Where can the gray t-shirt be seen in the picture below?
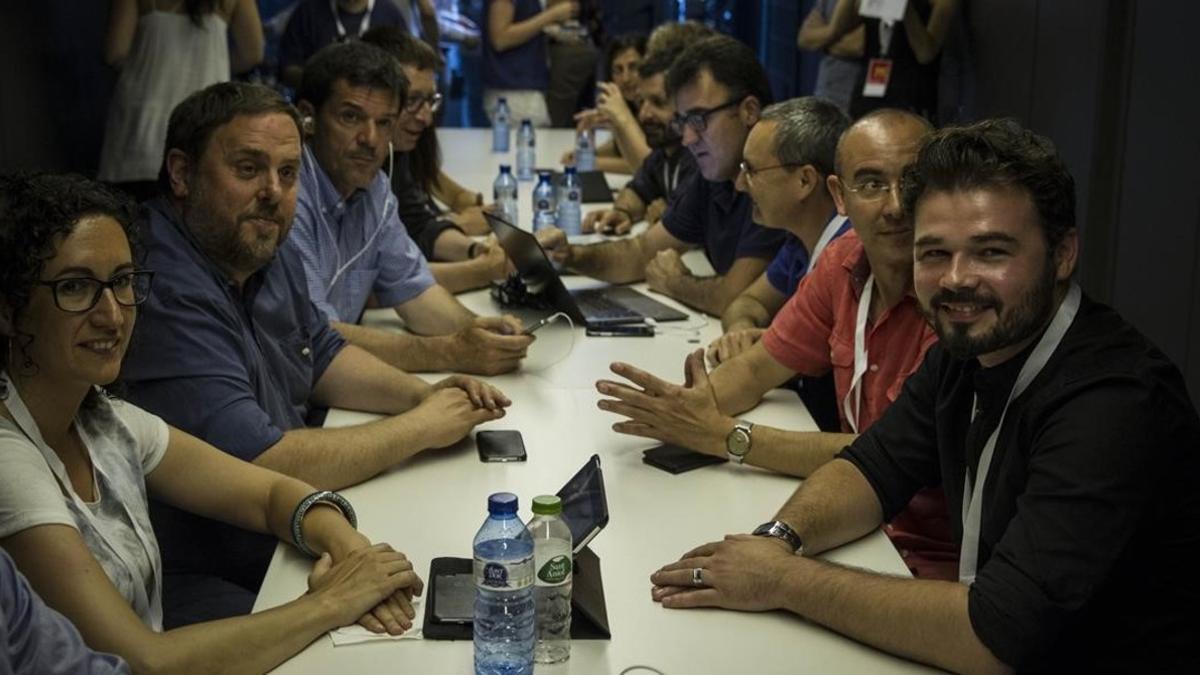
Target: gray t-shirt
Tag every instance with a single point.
(125, 443)
(36, 640)
(836, 76)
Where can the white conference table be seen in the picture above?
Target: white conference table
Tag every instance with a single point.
(432, 505)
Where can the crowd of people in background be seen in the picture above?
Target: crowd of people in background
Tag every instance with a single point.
(911, 282)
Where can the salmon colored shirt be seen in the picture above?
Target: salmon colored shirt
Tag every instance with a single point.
(814, 334)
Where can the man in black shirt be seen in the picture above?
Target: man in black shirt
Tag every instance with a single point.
(1077, 551)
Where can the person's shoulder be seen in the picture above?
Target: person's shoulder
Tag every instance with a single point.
(843, 252)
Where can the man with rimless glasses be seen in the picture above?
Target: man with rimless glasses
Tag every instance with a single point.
(719, 89)
(854, 315)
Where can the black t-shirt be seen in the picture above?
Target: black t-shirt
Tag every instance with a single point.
(1090, 529)
(912, 85)
(715, 216)
(660, 175)
(415, 207)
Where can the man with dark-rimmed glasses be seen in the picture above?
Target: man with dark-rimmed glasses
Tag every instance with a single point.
(719, 90)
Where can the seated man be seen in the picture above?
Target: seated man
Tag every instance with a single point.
(349, 236)
(719, 89)
(789, 155)
(231, 349)
(458, 263)
(853, 315)
(617, 99)
(1065, 440)
(667, 167)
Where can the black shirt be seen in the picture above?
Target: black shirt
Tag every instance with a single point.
(660, 174)
(715, 216)
(415, 208)
(1090, 530)
(912, 85)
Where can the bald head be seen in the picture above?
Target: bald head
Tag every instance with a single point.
(897, 126)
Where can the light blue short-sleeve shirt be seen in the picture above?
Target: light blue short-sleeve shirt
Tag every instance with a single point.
(353, 248)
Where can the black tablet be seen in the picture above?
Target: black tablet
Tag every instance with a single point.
(585, 507)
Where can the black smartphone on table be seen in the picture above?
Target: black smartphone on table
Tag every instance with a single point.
(621, 330)
(676, 459)
(500, 446)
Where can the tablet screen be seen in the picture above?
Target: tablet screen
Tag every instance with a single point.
(585, 508)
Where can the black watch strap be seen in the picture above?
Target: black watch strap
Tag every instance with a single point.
(783, 531)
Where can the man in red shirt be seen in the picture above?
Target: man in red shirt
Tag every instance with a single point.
(854, 314)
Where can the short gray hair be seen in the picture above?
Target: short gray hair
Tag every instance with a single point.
(807, 131)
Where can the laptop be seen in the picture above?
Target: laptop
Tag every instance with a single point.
(606, 306)
(593, 186)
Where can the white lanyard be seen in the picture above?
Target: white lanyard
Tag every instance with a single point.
(25, 422)
(972, 507)
(831, 229)
(670, 180)
(337, 20)
(860, 358)
(885, 36)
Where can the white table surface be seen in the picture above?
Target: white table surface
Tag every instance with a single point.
(431, 506)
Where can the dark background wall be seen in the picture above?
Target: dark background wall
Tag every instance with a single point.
(1110, 81)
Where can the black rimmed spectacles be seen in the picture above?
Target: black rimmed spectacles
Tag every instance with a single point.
(413, 104)
(77, 295)
(697, 120)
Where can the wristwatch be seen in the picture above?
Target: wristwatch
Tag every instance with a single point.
(738, 441)
(783, 531)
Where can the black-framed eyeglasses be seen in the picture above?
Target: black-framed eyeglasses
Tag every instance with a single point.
(413, 104)
(750, 171)
(77, 295)
(697, 120)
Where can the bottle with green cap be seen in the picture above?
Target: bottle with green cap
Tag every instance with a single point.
(552, 581)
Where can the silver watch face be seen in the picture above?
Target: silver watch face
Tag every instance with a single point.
(738, 442)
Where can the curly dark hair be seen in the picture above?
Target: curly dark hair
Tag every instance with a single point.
(620, 45)
(995, 153)
(37, 210)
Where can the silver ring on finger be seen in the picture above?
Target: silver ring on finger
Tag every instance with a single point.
(697, 576)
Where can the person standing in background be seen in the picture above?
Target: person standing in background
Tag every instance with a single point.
(514, 55)
(317, 23)
(841, 62)
(165, 50)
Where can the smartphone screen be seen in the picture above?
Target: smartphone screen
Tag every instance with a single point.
(632, 330)
(500, 446)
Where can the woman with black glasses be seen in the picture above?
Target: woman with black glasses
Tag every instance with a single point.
(77, 465)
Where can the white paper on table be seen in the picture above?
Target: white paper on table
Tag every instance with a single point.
(887, 10)
(355, 634)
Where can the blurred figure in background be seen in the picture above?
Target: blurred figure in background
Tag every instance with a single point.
(514, 55)
(165, 50)
(617, 101)
(841, 62)
(317, 23)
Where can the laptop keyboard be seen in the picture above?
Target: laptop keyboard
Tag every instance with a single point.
(595, 305)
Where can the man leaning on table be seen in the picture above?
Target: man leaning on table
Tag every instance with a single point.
(719, 89)
(1066, 437)
(349, 236)
(231, 349)
(854, 315)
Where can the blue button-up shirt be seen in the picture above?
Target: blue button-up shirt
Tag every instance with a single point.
(355, 247)
(233, 366)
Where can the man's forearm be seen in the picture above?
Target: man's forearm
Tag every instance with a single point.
(796, 453)
(451, 245)
(464, 275)
(332, 459)
(745, 312)
(631, 140)
(922, 620)
(407, 352)
(834, 506)
(629, 202)
(617, 262)
(710, 295)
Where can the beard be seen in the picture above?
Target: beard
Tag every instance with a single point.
(236, 246)
(659, 136)
(1028, 317)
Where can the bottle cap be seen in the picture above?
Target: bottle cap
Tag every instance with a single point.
(502, 99)
(526, 122)
(547, 505)
(502, 503)
(505, 168)
(570, 169)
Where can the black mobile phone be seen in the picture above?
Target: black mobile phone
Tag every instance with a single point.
(621, 330)
(500, 446)
(454, 598)
(675, 459)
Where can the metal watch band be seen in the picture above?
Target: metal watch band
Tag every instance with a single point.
(783, 531)
(320, 496)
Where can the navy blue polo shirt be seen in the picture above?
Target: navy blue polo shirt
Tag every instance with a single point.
(719, 218)
(791, 263)
(235, 368)
(313, 26)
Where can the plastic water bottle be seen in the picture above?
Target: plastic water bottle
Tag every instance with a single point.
(544, 206)
(585, 150)
(526, 151)
(501, 126)
(504, 193)
(552, 546)
(504, 609)
(570, 203)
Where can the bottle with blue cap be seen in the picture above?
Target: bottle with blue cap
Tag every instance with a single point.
(545, 202)
(570, 204)
(504, 194)
(501, 126)
(526, 151)
(504, 578)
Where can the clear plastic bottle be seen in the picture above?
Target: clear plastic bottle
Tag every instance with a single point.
(552, 545)
(526, 151)
(504, 610)
(545, 205)
(501, 126)
(585, 150)
(570, 203)
(504, 193)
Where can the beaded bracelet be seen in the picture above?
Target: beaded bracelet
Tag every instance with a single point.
(324, 496)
